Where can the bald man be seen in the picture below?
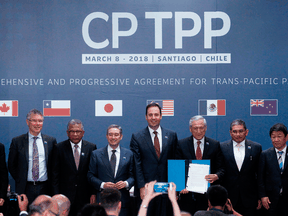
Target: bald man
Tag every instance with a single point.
(63, 204)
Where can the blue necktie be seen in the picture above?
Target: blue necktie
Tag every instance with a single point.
(280, 161)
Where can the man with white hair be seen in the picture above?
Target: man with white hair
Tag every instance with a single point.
(200, 147)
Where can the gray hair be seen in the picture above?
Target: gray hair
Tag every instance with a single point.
(196, 118)
(74, 122)
(114, 126)
(35, 112)
(40, 208)
(238, 122)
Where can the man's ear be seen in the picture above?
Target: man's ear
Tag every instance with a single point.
(119, 205)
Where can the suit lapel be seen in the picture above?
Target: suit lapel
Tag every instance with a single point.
(121, 161)
(45, 143)
(248, 150)
(286, 160)
(231, 157)
(164, 141)
(206, 148)
(106, 162)
(26, 148)
(274, 158)
(191, 148)
(84, 152)
(70, 154)
(149, 143)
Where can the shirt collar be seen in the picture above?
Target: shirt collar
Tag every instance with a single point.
(158, 130)
(195, 140)
(284, 150)
(79, 144)
(31, 136)
(241, 143)
(109, 149)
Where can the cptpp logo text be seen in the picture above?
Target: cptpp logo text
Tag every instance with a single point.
(157, 19)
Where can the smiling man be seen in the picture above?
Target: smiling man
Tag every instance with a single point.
(30, 158)
(241, 158)
(152, 147)
(71, 164)
(112, 167)
(273, 173)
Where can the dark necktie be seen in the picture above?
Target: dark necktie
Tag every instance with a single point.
(113, 161)
(156, 144)
(76, 155)
(35, 163)
(198, 151)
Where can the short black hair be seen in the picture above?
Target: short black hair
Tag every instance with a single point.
(278, 127)
(237, 122)
(109, 198)
(217, 195)
(92, 210)
(153, 105)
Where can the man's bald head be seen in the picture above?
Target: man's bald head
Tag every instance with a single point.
(63, 204)
(42, 204)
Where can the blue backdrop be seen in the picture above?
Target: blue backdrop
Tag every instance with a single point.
(46, 43)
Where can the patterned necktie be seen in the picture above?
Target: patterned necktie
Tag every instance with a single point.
(156, 144)
(76, 155)
(35, 163)
(113, 161)
(238, 157)
(280, 161)
(198, 151)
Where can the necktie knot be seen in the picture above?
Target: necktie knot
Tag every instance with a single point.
(113, 151)
(35, 138)
(198, 142)
(76, 146)
(155, 132)
(280, 153)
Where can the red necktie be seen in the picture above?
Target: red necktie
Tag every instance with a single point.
(198, 151)
(156, 144)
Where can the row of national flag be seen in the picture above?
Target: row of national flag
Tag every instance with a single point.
(62, 108)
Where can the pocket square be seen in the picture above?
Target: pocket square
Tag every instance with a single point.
(166, 137)
(249, 147)
(45, 142)
(124, 158)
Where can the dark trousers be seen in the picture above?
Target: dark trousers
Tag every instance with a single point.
(32, 191)
(193, 202)
(240, 208)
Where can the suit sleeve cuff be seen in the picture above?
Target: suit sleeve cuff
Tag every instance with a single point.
(102, 185)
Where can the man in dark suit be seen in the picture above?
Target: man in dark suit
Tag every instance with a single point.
(71, 164)
(273, 173)
(112, 167)
(199, 147)
(241, 157)
(3, 177)
(152, 147)
(30, 158)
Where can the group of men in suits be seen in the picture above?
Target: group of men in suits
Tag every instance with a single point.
(76, 169)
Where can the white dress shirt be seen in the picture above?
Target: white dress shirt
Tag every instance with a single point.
(42, 162)
(239, 153)
(117, 153)
(79, 147)
(201, 145)
(283, 154)
(159, 135)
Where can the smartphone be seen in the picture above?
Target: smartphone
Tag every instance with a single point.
(161, 187)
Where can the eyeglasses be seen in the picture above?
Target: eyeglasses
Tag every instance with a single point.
(77, 132)
(198, 128)
(239, 131)
(34, 121)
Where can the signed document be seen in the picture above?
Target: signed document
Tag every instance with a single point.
(196, 181)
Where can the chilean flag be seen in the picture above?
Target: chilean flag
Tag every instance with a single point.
(57, 108)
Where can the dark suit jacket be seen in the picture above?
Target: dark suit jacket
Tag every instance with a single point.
(100, 171)
(270, 180)
(18, 159)
(148, 166)
(212, 151)
(242, 183)
(67, 179)
(3, 172)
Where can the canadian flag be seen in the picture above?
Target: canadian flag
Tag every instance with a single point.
(108, 107)
(8, 108)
